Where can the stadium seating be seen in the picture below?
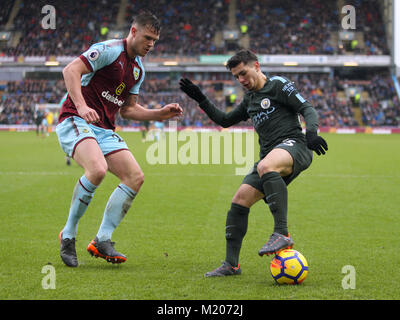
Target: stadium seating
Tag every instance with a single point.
(312, 28)
(378, 104)
(18, 99)
(369, 20)
(274, 27)
(194, 28)
(188, 27)
(78, 26)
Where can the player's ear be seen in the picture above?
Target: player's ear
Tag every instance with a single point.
(133, 31)
(257, 66)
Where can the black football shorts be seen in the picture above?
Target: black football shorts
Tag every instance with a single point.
(302, 158)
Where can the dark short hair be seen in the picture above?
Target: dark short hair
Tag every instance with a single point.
(244, 56)
(146, 18)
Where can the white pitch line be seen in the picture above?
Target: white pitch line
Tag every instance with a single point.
(34, 173)
(197, 174)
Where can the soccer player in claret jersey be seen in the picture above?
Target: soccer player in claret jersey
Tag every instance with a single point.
(102, 81)
(273, 104)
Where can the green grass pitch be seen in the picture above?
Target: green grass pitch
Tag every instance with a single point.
(343, 211)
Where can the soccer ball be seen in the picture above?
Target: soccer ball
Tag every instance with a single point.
(289, 267)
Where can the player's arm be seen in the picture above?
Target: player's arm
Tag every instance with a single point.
(314, 141)
(219, 117)
(72, 76)
(294, 99)
(132, 110)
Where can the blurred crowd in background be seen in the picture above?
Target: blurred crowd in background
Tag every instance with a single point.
(189, 29)
(375, 98)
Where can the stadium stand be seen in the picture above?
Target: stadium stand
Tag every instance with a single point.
(19, 99)
(311, 28)
(305, 30)
(378, 103)
(5, 11)
(79, 25)
(191, 29)
(372, 39)
(196, 27)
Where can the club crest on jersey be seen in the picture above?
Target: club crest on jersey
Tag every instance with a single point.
(93, 54)
(265, 103)
(120, 88)
(136, 73)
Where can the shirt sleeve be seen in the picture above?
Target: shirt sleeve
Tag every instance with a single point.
(135, 88)
(288, 94)
(291, 97)
(239, 113)
(99, 55)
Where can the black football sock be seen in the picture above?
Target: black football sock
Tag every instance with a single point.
(236, 228)
(275, 190)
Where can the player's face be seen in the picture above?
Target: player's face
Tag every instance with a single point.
(248, 75)
(144, 39)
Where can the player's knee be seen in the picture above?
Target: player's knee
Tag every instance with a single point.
(140, 180)
(283, 170)
(134, 180)
(239, 198)
(243, 199)
(264, 167)
(96, 173)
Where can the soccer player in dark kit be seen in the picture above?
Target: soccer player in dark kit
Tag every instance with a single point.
(102, 81)
(273, 104)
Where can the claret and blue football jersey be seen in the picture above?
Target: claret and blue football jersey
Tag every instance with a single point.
(113, 77)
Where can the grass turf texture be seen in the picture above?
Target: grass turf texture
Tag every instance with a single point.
(342, 211)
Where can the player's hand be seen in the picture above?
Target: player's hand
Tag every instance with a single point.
(88, 114)
(170, 111)
(316, 143)
(192, 90)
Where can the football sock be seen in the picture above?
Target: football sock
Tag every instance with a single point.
(275, 190)
(82, 195)
(117, 206)
(235, 230)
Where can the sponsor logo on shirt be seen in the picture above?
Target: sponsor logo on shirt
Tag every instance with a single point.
(136, 73)
(289, 88)
(109, 97)
(265, 103)
(93, 55)
(120, 88)
(262, 116)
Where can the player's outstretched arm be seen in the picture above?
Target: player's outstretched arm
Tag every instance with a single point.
(192, 90)
(219, 117)
(134, 111)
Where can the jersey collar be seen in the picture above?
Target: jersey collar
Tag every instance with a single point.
(133, 60)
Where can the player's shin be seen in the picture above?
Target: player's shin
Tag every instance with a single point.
(117, 206)
(236, 228)
(83, 194)
(276, 193)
